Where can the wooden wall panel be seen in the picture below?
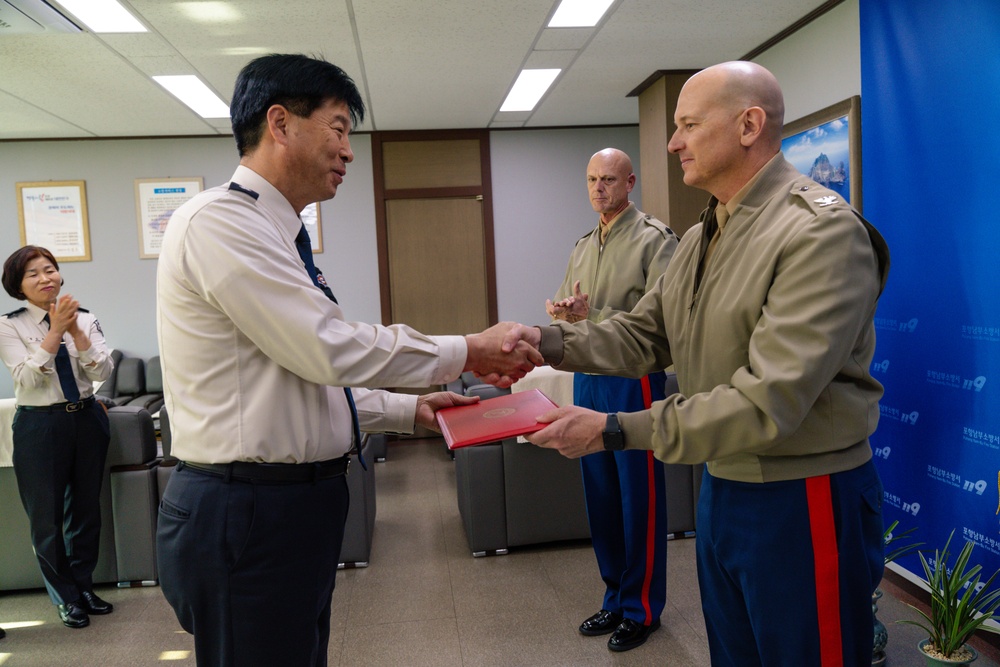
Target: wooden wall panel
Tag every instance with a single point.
(431, 164)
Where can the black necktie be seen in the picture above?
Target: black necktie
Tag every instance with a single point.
(304, 246)
(64, 369)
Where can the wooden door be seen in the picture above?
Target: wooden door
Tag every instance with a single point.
(435, 230)
(434, 217)
(437, 274)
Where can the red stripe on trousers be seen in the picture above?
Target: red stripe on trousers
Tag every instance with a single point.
(647, 399)
(827, 567)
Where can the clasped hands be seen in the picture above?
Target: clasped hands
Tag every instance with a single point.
(62, 320)
(505, 353)
(571, 309)
(62, 314)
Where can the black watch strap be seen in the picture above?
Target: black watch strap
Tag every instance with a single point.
(614, 439)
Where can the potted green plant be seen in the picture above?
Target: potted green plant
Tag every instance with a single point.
(960, 605)
(889, 539)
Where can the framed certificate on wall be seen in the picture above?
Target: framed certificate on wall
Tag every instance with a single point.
(53, 215)
(156, 199)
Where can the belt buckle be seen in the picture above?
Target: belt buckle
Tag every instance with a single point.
(74, 407)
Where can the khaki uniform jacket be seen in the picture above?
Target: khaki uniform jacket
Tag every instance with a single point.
(772, 346)
(635, 254)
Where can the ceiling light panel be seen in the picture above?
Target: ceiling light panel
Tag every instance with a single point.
(531, 84)
(190, 90)
(103, 15)
(579, 13)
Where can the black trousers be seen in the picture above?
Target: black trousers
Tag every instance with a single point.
(59, 464)
(249, 568)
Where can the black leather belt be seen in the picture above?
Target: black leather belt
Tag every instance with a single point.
(272, 473)
(59, 407)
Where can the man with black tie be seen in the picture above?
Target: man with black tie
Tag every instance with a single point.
(257, 364)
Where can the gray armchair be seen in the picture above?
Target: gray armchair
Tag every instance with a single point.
(151, 396)
(359, 529)
(514, 494)
(134, 499)
(130, 380)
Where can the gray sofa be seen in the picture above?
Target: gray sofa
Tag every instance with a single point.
(128, 505)
(359, 530)
(514, 494)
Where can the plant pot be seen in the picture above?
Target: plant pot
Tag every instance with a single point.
(881, 634)
(946, 662)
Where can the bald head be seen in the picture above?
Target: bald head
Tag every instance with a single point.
(729, 119)
(609, 182)
(739, 85)
(613, 158)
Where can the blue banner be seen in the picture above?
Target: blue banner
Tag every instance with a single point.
(930, 104)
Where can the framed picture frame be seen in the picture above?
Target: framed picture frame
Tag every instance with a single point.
(826, 146)
(53, 215)
(313, 221)
(156, 199)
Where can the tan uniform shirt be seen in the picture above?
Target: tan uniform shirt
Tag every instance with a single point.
(618, 272)
(772, 348)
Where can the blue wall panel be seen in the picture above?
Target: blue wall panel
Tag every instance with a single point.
(930, 100)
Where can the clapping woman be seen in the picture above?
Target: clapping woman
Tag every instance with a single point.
(55, 351)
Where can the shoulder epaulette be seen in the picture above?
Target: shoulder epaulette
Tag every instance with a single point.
(247, 191)
(14, 313)
(817, 198)
(656, 223)
(82, 310)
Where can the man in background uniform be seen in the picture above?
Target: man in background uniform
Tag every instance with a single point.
(611, 268)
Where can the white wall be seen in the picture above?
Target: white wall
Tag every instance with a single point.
(820, 64)
(541, 208)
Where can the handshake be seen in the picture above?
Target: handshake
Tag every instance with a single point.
(504, 353)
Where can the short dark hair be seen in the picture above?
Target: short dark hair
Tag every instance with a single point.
(299, 83)
(13, 268)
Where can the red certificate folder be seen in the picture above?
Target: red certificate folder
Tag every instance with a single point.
(494, 418)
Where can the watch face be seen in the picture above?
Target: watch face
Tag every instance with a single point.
(614, 439)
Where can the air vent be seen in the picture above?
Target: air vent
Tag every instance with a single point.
(26, 17)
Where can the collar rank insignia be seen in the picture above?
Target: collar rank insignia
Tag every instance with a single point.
(826, 201)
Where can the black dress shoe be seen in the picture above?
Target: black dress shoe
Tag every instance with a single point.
(73, 615)
(3, 633)
(630, 634)
(95, 605)
(600, 623)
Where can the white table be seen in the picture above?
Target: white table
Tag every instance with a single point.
(557, 385)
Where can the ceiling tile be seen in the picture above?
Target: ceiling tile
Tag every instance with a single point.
(421, 65)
